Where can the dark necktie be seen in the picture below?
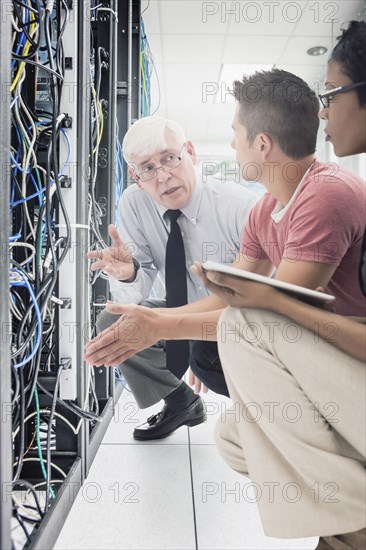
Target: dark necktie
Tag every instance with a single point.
(176, 292)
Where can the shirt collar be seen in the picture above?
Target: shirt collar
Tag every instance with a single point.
(280, 211)
(192, 208)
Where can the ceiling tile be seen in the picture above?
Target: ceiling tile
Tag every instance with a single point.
(263, 18)
(191, 16)
(192, 117)
(196, 83)
(295, 53)
(326, 18)
(185, 48)
(197, 37)
(188, 74)
(193, 95)
(253, 49)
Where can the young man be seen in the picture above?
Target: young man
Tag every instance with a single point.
(301, 227)
(303, 443)
(167, 200)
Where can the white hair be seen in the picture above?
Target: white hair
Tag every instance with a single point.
(147, 137)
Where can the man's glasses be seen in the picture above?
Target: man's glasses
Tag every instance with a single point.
(327, 96)
(171, 162)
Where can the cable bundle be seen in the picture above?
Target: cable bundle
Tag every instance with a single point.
(147, 67)
(96, 210)
(37, 252)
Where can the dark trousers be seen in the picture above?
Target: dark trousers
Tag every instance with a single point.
(206, 365)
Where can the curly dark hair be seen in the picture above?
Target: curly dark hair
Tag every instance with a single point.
(350, 53)
(281, 105)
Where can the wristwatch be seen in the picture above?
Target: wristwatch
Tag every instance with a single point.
(136, 265)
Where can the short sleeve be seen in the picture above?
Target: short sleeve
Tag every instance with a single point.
(322, 227)
(250, 245)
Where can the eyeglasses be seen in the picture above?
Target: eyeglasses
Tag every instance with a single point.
(327, 96)
(171, 162)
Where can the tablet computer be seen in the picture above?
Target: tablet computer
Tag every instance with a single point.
(301, 293)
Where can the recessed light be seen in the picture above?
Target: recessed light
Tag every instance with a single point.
(317, 50)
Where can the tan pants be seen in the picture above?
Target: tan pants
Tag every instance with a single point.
(297, 426)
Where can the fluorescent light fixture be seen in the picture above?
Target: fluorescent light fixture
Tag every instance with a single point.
(231, 72)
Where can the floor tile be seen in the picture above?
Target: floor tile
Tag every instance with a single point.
(128, 416)
(135, 497)
(226, 514)
(215, 405)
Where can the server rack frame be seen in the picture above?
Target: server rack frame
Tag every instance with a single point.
(105, 29)
(5, 381)
(105, 36)
(87, 445)
(128, 69)
(47, 532)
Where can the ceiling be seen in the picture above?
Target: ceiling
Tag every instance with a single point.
(191, 39)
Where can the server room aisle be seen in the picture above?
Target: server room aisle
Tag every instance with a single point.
(172, 494)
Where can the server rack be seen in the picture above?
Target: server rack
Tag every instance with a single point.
(128, 67)
(117, 31)
(5, 389)
(104, 43)
(70, 450)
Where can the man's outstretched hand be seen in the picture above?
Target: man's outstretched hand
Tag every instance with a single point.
(135, 330)
(116, 260)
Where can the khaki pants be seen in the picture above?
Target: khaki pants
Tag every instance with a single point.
(297, 426)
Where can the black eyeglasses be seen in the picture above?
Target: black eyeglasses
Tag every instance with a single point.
(171, 162)
(327, 96)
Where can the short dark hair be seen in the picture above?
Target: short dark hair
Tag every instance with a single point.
(281, 105)
(350, 53)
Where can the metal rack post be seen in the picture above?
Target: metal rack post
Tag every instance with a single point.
(5, 384)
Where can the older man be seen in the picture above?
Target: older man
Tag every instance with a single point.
(169, 219)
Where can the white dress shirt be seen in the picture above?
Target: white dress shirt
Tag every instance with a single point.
(211, 225)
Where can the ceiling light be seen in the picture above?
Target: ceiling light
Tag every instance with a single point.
(231, 72)
(317, 50)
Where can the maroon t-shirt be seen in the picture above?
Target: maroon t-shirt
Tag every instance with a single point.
(324, 222)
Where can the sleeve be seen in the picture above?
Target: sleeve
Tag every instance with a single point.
(133, 236)
(243, 210)
(251, 247)
(321, 226)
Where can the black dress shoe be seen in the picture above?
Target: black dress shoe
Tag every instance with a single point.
(167, 421)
